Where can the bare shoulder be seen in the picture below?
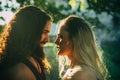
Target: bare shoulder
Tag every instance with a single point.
(21, 72)
(80, 73)
(84, 74)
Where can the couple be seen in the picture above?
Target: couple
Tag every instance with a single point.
(22, 41)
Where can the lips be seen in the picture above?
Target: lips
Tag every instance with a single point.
(42, 43)
(58, 47)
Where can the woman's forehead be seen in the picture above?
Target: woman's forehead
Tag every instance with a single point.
(60, 26)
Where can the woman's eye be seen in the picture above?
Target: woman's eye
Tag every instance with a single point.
(59, 37)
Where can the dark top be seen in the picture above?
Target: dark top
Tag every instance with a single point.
(4, 67)
(39, 76)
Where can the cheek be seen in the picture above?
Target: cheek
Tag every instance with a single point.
(64, 45)
(42, 37)
(65, 50)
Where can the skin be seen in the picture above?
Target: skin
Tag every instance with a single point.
(64, 45)
(83, 73)
(21, 71)
(45, 34)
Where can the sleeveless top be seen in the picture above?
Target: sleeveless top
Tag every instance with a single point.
(39, 76)
(4, 67)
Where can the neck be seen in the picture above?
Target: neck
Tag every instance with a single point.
(73, 61)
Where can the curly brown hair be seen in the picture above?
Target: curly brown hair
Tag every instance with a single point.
(20, 38)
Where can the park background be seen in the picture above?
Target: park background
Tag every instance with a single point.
(104, 15)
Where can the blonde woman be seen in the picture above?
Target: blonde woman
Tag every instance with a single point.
(77, 43)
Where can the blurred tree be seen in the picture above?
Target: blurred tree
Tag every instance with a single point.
(51, 8)
(51, 53)
(110, 6)
(111, 48)
(112, 51)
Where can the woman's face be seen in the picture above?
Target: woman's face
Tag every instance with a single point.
(45, 34)
(63, 43)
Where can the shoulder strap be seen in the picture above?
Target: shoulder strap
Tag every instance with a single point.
(33, 69)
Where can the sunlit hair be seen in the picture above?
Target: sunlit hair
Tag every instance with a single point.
(20, 38)
(86, 51)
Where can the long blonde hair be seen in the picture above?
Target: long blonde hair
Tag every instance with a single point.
(86, 51)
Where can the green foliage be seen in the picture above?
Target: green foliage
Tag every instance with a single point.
(112, 58)
(1, 27)
(110, 6)
(95, 21)
(51, 8)
(52, 57)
